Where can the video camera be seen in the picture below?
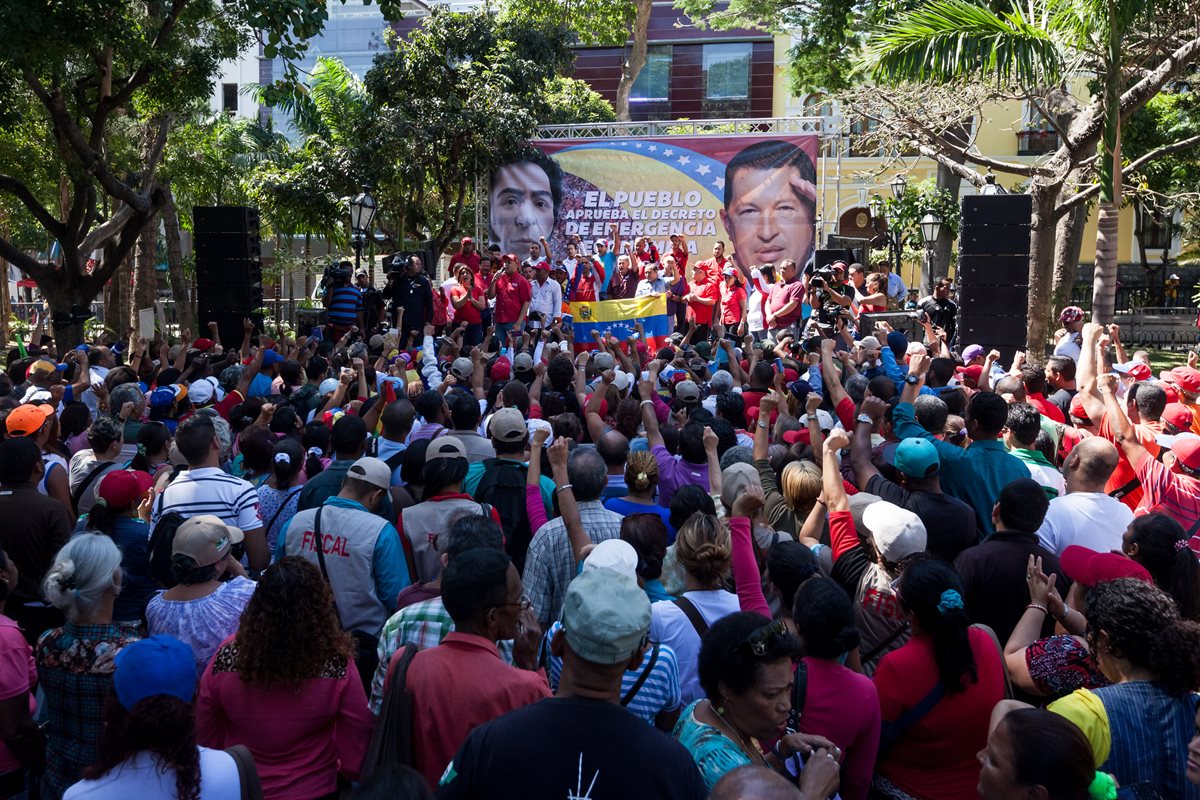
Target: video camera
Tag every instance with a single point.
(335, 272)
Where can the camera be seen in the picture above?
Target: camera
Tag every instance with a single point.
(816, 282)
(335, 272)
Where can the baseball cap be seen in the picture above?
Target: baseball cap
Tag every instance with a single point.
(688, 392)
(621, 380)
(1178, 415)
(869, 342)
(824, 420)
(605, 616)
(328, 386)
(373, 471)
(205, 390)
(972, 351)
(728, 272)
(507, 425)
(205, 539)
(44, 366)
(972, 373)
(1089, 567)
(462, 368)
(121, 488)
(897, 532)
(271, 357)
(1078, 411)
(203, 345)
(917, 458)
(1138, 370)
(604, 361)
(164, 396)
(445, 447)
(1186, 447)
(1071, 314)
(523, 362)
(1187, 378)
(501, 369)
(154, 666)
(616, 555)
(27, 419)
(468, 240)
(735, 479)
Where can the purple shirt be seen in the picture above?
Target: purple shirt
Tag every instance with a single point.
(674, 473)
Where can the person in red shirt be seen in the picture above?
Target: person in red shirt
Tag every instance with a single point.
(466, 255)
(463, 683)
(785, 304)
(679, 250)
(733, 302)
(715, 266)
(584, 285)
(1034, 378)
(513, 294)
(468, 304)
(701, 300)
(646, 253)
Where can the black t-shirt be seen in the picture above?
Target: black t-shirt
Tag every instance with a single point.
(570, 747)
(950, 524)
(941, 313)
(993, 579)
(1062, 398)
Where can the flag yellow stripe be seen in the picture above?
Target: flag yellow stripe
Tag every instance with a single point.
(619, 310)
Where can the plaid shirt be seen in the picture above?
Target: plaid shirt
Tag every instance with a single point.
(550, 563)
(424, 624)
(75, 670)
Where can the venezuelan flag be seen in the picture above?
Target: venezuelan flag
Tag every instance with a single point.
(618, 317)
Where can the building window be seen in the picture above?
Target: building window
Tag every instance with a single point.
(229, 97)
(654, 81)
(727, 71)
(1155, 228)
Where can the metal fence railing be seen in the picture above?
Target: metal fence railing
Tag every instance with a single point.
(279, 311)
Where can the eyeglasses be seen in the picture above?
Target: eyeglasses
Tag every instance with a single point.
(761, 639)
(525, 603)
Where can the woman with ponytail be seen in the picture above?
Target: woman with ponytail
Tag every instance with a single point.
(75, 662)
(279, 496)
(1140, 726)
(641, 479)
(936, 693)
(1035, 753)
(315, 441)
(153, 449)
(1160, 544)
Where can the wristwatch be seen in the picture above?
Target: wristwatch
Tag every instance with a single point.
(911, 380)
(865, 418)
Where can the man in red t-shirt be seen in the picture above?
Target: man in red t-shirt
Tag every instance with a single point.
(584, 285)
(466, 255)
(785, 304)
(645, 253)
(701, 300)
(513, 294)
(679, 250)
(733, 302)
(714, 266)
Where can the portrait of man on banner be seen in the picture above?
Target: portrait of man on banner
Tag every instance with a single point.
(523, 202)
(770, 204)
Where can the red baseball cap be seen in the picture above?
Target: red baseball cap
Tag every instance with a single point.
(1171, 391)
(799, 435)
(121, 488)
(1187, 450)
(1138, 370)
(1178, 415)
(203, 345)
(1088, 567)
(468, 240)
(501, 369)
(971, 373)
(790, 375)
(1078, 411)
(1187, 378)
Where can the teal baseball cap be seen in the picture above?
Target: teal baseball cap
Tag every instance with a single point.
(917, 458)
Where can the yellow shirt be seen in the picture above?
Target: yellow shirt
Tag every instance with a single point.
(1086, 710)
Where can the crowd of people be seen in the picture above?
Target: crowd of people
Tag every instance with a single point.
(478, 558)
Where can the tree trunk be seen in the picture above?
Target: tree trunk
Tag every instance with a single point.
(939, 260)
(1068, 242)
(637, 59)
(1104, 286)
(1041, 266)
(145, 277)
(185, 314)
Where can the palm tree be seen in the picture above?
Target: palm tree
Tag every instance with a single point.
(1034, 44)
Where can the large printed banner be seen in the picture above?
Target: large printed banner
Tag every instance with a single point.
(619, 317)
(755, 193)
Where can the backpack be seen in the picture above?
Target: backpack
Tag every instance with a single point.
(503, 487)
(162, 542)
(302, 400)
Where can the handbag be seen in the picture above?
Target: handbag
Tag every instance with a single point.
(247, 772)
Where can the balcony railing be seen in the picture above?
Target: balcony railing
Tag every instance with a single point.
(1036, 143)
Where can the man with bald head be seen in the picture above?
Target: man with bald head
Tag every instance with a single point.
(613, 447)
(1086, 515)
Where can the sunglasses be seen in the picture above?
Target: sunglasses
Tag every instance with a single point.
(761, 639)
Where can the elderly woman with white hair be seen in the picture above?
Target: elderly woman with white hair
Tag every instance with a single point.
(75, 662)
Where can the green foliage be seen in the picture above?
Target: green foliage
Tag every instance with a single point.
(593, 22)
(573, 101)
(1168, 117)
(904, 214)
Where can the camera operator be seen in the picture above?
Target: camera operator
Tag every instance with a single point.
(829, 315)
(408, 287)
(372, 301)
(343, 302)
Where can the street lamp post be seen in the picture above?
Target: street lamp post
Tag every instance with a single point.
(880, 213)
(362, 214)
(931, 228)
(899, 186)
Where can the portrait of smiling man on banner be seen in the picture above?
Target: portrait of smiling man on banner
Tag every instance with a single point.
(770, 204)
(524, 201)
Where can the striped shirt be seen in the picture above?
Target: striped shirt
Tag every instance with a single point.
(1171, 493)
(345, 303)
(209, 490)
(659, 693)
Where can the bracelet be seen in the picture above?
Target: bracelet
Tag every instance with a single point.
(647, 402)
(1039, 607)
(562, 488)
(1066, 613)
(762, 424)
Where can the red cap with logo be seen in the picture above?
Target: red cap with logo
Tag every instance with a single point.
(1187, 378)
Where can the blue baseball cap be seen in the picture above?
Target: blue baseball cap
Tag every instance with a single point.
(158, 664)
(917, 458)
(271, 357)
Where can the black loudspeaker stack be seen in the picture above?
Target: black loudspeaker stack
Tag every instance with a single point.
(229, 284)
(827, 256)
(993, 272)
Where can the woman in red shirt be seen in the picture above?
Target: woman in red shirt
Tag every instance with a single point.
(468, 302)
(936, 693)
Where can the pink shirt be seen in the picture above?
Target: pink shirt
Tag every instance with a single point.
(18, 676)
(299, 738)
